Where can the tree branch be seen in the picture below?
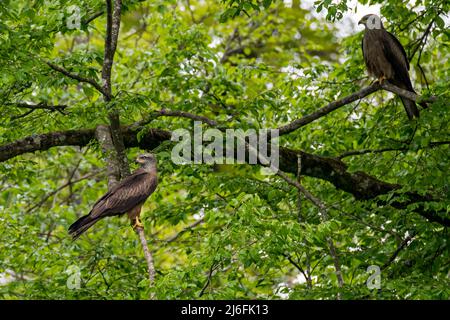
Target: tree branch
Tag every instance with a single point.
(405, 93)
(361, 185)
(324, 216)
(93, 17)
(151, 139)
(34, 107)
(42, 105)
(382, 150)
(213, 267)
(175, 113)
(422, 39)
(75, 76)
(65, 185)
(103, 135)
(402, 245)
(305, 273)
(298, 123)
(148, 257)
(185, 229)
(112, 33)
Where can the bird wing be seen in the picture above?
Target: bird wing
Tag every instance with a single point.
(129, 193)
(396, 55)
(362, 48)
(402, 54)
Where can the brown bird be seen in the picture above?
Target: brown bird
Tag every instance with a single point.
(386, 59)
(127, 196)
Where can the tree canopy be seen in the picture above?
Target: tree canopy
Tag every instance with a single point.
(362, 191)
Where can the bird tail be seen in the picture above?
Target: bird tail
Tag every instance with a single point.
(410, 108)
(81, 225)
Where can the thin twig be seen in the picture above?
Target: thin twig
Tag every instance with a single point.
(93, 17)
(185, 229)
(208, 280)
(75, 76)
(34, 107)
(65, 185)
(316, 201)
(382, 150)
(422, 39)
(323, 210)
(175, 113)
(402, 245)
(299, 268)
(41, 105)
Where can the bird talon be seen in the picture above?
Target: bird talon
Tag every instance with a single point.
(381, 79)
(137, 224)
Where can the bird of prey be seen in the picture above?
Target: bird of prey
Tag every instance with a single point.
(127, 196)
(386, 59)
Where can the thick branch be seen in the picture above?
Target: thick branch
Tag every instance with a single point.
(119, 146)
(103, 135)
(81, 138)
(361, 185)
(112, 34)
(113, 14)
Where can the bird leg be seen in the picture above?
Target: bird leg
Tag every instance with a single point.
(137, 223)
(134, 215)
(381, 79)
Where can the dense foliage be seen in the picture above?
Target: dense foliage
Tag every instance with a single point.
(223, 231)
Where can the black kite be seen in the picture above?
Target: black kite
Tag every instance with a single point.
(127, 196)
(386, 59)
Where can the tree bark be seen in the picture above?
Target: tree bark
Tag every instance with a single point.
(361, 185)
(103, 135)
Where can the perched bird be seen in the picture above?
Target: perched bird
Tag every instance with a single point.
(386, 59)
(127, 196)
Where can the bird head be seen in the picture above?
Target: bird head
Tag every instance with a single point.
(146, 159)
(371, 21)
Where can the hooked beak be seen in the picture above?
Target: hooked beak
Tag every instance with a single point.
(360, 22)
